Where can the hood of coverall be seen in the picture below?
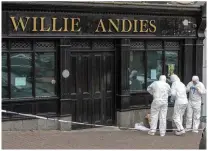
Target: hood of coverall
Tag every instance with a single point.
(195, 79)
(174, 78)
(162, 78)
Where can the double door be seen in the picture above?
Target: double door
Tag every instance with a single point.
(92, 87)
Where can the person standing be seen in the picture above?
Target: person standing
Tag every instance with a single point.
(160, 91)
(178, 93)
(135, 84)
(195, 89)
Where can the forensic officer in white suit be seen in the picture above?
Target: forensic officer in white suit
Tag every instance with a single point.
(195, 89)
(178, 93)
(160, 91)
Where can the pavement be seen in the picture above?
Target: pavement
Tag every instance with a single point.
(97, 139)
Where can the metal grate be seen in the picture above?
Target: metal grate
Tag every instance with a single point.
(21, 45)
(45, 45)
(154, 44)
(4, 45)
(137, 44)
(103, 44)
(172, 44)
(81, 43)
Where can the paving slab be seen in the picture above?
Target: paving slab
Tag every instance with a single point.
(95, 139)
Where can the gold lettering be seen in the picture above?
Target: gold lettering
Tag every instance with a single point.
(65, 24)
(124, 25)
(135, 26)
(34, 24)
(143, 24)
(152, 24)
(54, 25)
(42, 21)
(116, 26)
(75, 24)
(16, 25)
(21, 23)
(100, 24)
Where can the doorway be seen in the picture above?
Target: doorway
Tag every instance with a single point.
(92, 88)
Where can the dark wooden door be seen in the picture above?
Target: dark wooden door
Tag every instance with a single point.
(93, 83)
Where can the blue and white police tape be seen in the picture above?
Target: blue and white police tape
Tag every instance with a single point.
(79, 123)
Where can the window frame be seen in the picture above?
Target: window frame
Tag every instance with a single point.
(178, 52)
(25, 52)
(32, 51)
(145, 70)
(163, 49)
(55, 65)
(7, 52)
(146, 60)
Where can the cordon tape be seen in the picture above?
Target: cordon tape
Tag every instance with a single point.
(79, 123)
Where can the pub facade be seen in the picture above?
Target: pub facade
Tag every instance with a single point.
(92, 62)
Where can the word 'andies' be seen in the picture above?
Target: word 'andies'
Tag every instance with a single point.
(74, 25)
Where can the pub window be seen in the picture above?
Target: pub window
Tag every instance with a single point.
(149, 60)
(4, 72)
(154, 66)
(137, 78)
(45, 68)
(21, 74)
(29, 66)
(171, 64)
(4, 76)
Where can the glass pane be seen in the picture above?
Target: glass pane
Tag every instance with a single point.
(136, 75)
(45, 77)
(4, 76)
(171, 64)
(21, 75)
(154, 66)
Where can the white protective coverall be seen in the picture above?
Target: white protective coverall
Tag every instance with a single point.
(178, 93)
(160, 91)
(196, 89)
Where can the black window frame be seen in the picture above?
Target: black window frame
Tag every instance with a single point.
(164, 49)
(36, 50)
(5, 50)
(8, 50)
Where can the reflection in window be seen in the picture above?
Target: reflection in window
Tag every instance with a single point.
(171, 64)
(45, 77)
(136, 78)
(21, 75)
(4, 76)
(154, 66)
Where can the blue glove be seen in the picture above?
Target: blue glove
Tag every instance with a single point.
(193, 89)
